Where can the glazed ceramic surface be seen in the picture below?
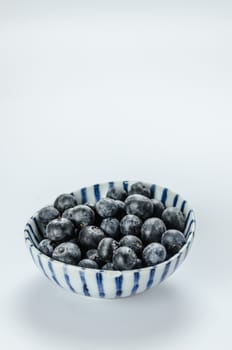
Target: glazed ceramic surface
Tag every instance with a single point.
(110, 284)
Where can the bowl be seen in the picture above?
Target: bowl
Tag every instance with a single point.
(104, 283)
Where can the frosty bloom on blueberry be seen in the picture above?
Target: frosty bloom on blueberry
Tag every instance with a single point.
(123, 231)
(139, 205)
(65, 201)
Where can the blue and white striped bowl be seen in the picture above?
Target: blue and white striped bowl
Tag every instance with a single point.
(110, 284)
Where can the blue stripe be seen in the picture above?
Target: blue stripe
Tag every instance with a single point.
(83, 195)
(188, 216)
(151, 278)
(42, 267)
(84, 285)
(96, 192)
(175, 200)
(32, 253)
(53, 273)
(188, 229)
(67, 279)
(183, 206)
(164, 196)
(165, 271)
(32, 231)
(111, 184)
(136, 282)
(118, 283)
(38, 229)
(187, 249)
(100, 284)
(125, 185)
(32, 238)
(177, 262)
(152, 189)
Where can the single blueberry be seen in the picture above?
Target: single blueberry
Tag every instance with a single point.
(92, 254)
(158, 208)
(60, 230)
(65, 201)
(47, 246)
(82, 215)
(48, 214)
(174, 219)
(139, 205)
(98, 218)
(173, 241)
(111, 227)
(121, 209)
(132, 242)
(117, 194)
(68, 253)
(106, 207)
(90, 236)
(106, 248)
(108, 266)
(140, 188)
(130, 225)
(124, 258)
(154, 253)
(87, 263)
(67, 214)
(152, 230)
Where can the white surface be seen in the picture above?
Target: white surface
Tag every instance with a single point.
(93, 92)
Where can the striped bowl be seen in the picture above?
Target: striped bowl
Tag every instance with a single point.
(103, 283)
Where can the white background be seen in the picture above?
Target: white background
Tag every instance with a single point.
(98, 91)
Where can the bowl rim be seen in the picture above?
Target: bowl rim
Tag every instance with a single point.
(113, 272)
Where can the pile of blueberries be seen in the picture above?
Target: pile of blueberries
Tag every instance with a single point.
(124, 231)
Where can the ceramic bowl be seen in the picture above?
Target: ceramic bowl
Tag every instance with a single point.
(103, 283)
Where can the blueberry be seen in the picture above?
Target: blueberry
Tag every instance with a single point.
(90, 236)
(90, 264)
(92, 254)
(130, 225)
(117, 194)
(173, 241)
(174, 219)
(106, 248)
(121, 209)
(153, 254)
(48, 214)
(106, 207)
(82, 215)
(46, 246)
(111, 227)
(67, 214)
(139, 263)
(132, 242)
(139, 205)
(152, 230)
(65, 201)
(124, 258)
(98, 218)
(108, 266)
(68, 253)
(60, 230)
(158, 208)
(140, 188)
